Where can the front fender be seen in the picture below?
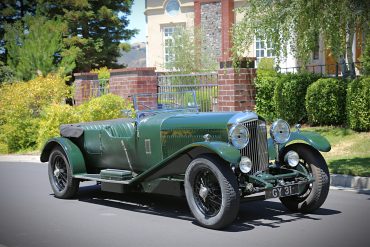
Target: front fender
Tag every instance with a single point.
(74, 155)
(311, 138)
(226, 151)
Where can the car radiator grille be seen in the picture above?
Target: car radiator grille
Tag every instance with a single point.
(256, 149)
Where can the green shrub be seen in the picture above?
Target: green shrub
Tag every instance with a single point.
(326, 101)
(365, 57)
(3, 148)
(265, 105)
(108, 106)
(52, 117)
(358, 104)
(289, 95)
(21, 104)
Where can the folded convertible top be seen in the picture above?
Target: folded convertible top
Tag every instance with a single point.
(71, 130)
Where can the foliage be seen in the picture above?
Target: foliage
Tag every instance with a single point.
(289, 95)
(188, 55)
(358, 104)
(37, 51)
(96, 28)
(21, 105)
(365, 58)
(265, 85)
(12, 11)
(52, 117)
(108, 106)
(326, 101)
(6, 74)
(298, 24)
(102, 108)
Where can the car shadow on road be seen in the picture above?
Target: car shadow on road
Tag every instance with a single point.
(251, 215)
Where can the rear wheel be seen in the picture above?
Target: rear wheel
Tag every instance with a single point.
(314, 194)
(212, 192)
(60, 175)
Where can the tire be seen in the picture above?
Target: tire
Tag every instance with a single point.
(60, 175)
(212, 192)
(314, 194)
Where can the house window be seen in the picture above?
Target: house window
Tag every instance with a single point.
(168, 42)
(172, 7)
(263, 49)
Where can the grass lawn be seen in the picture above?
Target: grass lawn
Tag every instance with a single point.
(350, 150)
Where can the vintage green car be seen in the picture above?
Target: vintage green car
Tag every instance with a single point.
(215, 159)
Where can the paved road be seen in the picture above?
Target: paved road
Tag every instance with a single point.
(31, 216)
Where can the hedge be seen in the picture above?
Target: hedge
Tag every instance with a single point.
(290, 93)
(358, 104)
(326, 102)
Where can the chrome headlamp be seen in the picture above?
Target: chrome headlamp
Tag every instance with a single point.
(239, 136)
(280, 131)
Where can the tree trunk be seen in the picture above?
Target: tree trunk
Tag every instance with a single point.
(350, 33)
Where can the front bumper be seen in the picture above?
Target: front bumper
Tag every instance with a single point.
(277, 178)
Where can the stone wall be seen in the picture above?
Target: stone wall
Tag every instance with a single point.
(211, 27)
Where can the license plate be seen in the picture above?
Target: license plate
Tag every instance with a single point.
(282, 191)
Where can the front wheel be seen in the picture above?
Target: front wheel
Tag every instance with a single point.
(212, 192)
(314, 195)
(60, 175)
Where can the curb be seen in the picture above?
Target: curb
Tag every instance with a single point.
(347, 181)
(337, 180)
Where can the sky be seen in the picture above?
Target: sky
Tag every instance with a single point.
(137, 20)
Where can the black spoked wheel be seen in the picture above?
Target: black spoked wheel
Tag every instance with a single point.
(207, 193)
(315, 193)
(60, 175)
(212, 192)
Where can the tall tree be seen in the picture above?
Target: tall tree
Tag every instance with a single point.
(12, 11)
(297, 24)
(39, 49)
(95, 27)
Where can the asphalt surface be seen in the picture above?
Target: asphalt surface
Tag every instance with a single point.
(31, 216)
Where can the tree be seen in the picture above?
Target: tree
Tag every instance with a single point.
(95, 27)
(298, 23)
(94, 31)
(12, 11)
(187, 55)
(39, 49)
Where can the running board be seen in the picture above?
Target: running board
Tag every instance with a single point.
(108, 176)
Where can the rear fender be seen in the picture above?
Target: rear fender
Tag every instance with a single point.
(73, 153)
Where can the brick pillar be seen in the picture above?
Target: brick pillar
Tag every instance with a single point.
(236, 90)
(197, 14)
(227, 7)
(83, 84)
(129, 81)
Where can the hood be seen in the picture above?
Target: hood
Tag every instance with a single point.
(206, 120)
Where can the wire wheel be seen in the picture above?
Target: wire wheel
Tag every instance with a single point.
(212, 191)
(59, 172)
(207, 193)
(60, 175)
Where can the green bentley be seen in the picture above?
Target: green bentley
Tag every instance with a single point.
(216, 159)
